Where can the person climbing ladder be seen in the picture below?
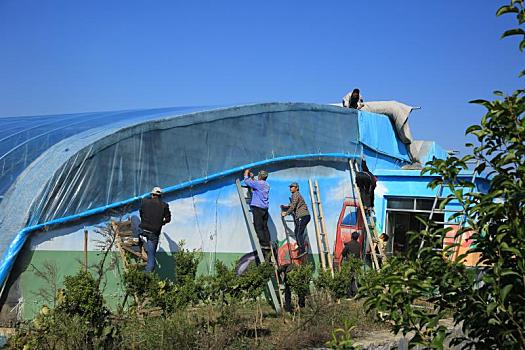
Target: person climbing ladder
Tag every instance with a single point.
(299, 210)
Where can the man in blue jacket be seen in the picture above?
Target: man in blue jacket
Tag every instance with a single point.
(259, 205)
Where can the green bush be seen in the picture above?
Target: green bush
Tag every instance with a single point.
(83, 298)
(339, 285)
(299, 279)
(80, 321)
(186, 263)
(489, 301)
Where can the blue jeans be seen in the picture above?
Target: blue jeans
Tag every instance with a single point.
(152, 241)
(149, 240)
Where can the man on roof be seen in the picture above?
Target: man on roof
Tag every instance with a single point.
(299, 210)
(353, 100)
(154, 213)
(259, 205)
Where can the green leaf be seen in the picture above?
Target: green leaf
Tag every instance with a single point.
(491, 307)
(485, 103)
(505, 291)
(522, 45)
(510, 32)
(506, 9)
(472, 128)
(498, 92)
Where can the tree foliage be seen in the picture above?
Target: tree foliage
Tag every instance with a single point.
(489, 302)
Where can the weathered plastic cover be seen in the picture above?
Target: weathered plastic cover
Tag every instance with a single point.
(60, 168)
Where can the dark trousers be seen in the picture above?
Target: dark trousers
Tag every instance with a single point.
(260, 222)
(352, 290)
(300, 226)
(288, 297)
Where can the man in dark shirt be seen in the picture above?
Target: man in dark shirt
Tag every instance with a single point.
(366, 181)
(154, 213)
(352, 249)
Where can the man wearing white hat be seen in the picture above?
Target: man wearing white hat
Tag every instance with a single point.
(154, 213)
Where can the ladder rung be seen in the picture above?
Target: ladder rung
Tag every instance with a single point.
(446, 223)
(448, 210)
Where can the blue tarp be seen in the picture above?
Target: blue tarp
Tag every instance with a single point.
(61, 168)
(377, 133)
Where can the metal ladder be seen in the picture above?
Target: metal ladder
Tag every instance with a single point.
(289, 232)
(320, 227)
(368, 221)
(244, 199)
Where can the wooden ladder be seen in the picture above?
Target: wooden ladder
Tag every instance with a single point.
(372, 235)
(123, 235)
(244, 197)
(320, 227)
(124, 243)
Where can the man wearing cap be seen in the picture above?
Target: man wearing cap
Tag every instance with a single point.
(299, 210)
(259, 205)
(154, 213)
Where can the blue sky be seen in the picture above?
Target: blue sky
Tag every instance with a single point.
(76, 56)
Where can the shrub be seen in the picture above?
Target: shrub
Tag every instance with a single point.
(299, 279)
(339, 285)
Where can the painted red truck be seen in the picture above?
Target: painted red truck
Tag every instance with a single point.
(349, 221)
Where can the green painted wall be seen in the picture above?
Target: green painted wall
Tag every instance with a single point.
(69, 263)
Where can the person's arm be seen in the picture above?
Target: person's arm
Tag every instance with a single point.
(346, 251)
(250, 182)
(360, 103)
(293, 205)
(167, 214)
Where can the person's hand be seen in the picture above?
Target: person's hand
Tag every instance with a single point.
(283, 213)
(246, 172)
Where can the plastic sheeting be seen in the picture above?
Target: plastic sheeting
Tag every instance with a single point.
(23, 139)
(109, 164)
(376, 132)
(115, 158)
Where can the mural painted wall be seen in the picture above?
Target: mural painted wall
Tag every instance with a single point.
(209, 218)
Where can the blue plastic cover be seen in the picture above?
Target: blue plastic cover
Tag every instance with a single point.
(377, 133)
(55, 169)
(23, 139)
(89, 163)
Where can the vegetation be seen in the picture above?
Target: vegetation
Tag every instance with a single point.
(339, 285)
(488, 302)
(413, 294)
(211, 312)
